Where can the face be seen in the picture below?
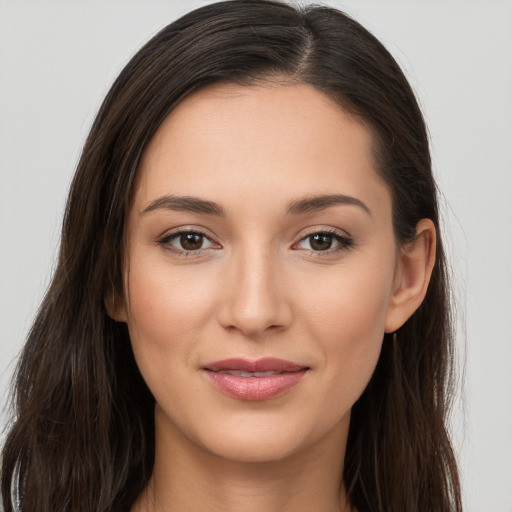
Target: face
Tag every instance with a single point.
(260, 270)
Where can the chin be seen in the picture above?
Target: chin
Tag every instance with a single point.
(267, 438)
(254, 446)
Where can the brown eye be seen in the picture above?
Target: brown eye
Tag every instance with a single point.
(325, 241)
(191, 241)
(321, 241)
(183, 242)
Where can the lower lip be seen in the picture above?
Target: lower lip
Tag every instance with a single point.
(254, 388)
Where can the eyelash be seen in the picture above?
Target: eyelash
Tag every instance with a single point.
(165, 242)
(345, 242)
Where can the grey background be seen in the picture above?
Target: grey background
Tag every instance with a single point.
(58, 58)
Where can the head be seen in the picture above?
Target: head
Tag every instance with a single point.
(237, 46)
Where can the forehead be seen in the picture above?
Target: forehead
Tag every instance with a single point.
(232, 141)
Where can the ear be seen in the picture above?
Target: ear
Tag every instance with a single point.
(412, 275)
(114, 304)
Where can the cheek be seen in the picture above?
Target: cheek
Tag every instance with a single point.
(349, 301)
(347, 316)
(165, 314)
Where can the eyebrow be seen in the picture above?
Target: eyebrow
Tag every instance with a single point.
(185, 204)
(304, 205)
(321, 202)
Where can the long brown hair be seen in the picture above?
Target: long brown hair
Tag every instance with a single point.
(83, 434)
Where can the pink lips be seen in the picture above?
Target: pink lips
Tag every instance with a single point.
(271, 377)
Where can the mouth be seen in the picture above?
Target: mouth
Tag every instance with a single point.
(254, 380)
(239, 373)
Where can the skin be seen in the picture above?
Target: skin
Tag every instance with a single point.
(257, 286)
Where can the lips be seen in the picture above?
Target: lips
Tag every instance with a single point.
(254, 380)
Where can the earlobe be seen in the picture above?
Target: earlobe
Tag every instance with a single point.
(115, 306)
(414, 269)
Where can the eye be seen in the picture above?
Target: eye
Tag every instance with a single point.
(325, 241)
(186, 242)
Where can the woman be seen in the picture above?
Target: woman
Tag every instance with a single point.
(250, 309)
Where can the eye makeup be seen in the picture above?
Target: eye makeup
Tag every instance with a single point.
(193, 242)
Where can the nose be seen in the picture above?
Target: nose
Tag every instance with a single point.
(255, 298)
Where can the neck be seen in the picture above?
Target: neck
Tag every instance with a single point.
(188, 479)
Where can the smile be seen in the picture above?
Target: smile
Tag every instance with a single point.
(254, 380)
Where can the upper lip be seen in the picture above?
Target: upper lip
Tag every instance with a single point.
(266, 364)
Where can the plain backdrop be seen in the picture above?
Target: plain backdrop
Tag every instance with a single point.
(58, 58)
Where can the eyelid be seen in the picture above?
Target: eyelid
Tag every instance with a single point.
(344, 240)
(313, 230)
(165, 239)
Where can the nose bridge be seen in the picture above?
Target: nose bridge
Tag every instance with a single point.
(255, 301)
